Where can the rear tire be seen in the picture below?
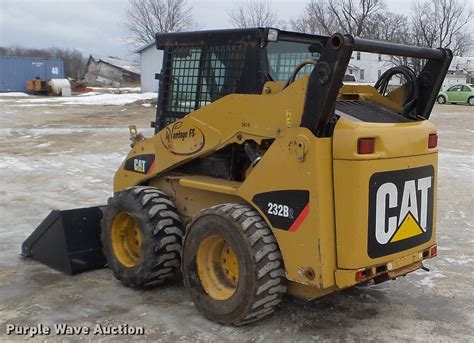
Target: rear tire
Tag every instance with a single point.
(232, 266)
(142, 237)
(441, 100)
(470, 101)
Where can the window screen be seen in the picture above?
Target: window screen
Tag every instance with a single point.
(201, 75)
(283, 57)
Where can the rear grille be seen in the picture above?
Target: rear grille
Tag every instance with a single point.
(369, 111)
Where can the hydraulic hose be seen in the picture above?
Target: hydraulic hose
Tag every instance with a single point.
(412, 92)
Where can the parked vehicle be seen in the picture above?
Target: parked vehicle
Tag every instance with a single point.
(457, 94)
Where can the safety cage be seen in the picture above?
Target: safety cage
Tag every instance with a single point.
(201, 67)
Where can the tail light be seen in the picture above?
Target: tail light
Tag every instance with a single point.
(432, 140)
(365, 146)
(433, 251)
(360, 275)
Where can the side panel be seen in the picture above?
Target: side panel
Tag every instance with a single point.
(295, 196)
(189, 201)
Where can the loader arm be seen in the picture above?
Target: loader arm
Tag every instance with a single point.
(235, 118)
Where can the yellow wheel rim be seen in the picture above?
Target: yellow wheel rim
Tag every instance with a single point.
(126, 239)
(218, 268)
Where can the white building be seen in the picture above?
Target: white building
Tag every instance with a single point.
(461, 71)
(368, 67)
(150, 64)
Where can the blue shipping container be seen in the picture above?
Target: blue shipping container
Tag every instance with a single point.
(16, 71)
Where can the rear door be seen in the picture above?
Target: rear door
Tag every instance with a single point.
(385, 201)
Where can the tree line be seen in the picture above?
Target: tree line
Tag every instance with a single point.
(74, 60)
(428, 23)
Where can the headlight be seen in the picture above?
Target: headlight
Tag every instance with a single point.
(272, 35)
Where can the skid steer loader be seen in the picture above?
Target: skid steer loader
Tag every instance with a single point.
(266, 175)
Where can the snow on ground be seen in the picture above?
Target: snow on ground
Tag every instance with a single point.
(14, 94)
(117, 90)
(64, 156)
(95, 99)
(49, 131)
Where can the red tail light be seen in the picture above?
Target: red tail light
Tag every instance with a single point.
(434, 251)
(360, 275)
(432, 140)
(365, 146)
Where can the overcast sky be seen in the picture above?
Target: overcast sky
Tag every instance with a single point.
(95, 26)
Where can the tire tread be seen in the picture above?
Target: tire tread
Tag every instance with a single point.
(270, 271)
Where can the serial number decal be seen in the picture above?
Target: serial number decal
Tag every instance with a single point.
(280, 210)
(285, 209)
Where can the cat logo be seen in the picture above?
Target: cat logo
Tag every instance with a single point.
(143, 164)
(139, 165)
(400, 210)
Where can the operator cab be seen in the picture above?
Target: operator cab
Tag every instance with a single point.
(202, 67)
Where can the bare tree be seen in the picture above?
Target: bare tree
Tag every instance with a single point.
(144, 18)
(254, 13)
(346, 16)
(316, 19)
(385, 25)
(442, 23)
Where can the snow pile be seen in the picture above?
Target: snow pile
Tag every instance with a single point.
(116, 89)
(111, 99)
(49, 131)
(90, 94)
(96, 99)
(16, 94)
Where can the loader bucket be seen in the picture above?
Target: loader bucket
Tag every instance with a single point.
(68, 241)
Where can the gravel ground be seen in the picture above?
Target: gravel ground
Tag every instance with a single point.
(54, 155)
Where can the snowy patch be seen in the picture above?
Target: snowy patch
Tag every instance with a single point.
(49, 131)
(430, 280)
(16, 94)
(146, 105)
(44, 145)
(443, 248)
(97, 99)
(90, 94)
(462, 261)
(118, 90)
(36, 105)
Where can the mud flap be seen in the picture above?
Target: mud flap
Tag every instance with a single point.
(68, 241)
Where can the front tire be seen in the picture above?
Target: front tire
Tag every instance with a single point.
(441, 100)
(142, 237)
(470, 101)
(232, 266)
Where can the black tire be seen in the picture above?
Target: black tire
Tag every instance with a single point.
(470, 101)
(261, 282)
(161, 236)
(441, 100)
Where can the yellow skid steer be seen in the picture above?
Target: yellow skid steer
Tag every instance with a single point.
(267, 175)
